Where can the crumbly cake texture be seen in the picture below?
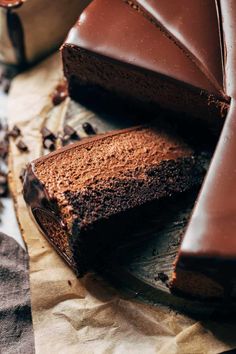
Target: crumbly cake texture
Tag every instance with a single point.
(80, 195)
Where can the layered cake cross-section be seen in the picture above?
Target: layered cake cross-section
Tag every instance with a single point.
(85, 195)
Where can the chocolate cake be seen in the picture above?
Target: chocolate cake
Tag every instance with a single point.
(179, 55)
(86, 195)
(151, 54)
(206, 263)
(30, 29)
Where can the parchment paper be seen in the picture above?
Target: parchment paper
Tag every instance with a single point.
(88, 315)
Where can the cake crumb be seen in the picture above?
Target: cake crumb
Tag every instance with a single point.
(88, 128)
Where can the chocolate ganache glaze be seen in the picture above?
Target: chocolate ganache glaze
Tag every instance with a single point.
(207, 258)
(193, 26)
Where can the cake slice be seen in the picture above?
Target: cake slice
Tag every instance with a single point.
(206, 262)
(31, 29)
(119, 51)
(86, 196)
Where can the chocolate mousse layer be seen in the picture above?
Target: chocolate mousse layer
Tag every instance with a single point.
(88, 196)
(123, 49)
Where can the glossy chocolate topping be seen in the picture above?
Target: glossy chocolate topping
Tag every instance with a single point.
(193, 25)
(211, 231)
(116, 30)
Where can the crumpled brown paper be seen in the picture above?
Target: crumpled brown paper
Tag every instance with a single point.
(87, 316)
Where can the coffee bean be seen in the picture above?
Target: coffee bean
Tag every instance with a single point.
(88, 128)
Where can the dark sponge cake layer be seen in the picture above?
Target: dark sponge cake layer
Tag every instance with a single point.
(146, 90)
(86, 195)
